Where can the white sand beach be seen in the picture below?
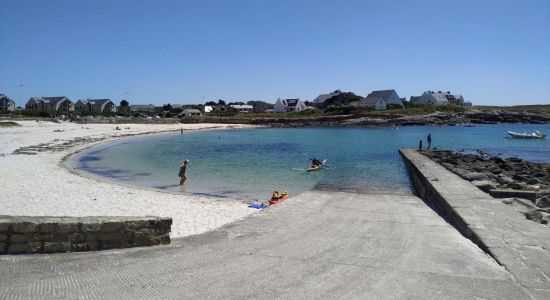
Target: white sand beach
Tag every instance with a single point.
(39, 185)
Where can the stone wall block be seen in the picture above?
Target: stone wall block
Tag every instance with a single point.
(18, 238)
(77, 247)
(62, 234)
(164, 239)
(34, 247)
(92, 245)
(4, 225)
(24, 227)
(52, 247)
(145, 237)
(112, 226)
(65, 228)
(75, 237)
(162, 226)
(91, 227)
(19, 248)
(137, 225)
(47, 227)
(112, 236)
(46, 237)
(114, 244)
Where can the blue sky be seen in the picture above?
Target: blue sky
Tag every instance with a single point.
(183, 51)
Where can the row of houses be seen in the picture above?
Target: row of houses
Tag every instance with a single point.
(383, 99)
(64, 104)
(378, 100)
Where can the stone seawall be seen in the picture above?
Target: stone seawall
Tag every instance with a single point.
(436, 200)
(26, 234)
(518, 244)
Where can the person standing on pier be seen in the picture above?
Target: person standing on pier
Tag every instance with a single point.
(429, 140)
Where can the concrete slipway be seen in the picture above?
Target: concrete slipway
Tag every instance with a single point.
(316, 245)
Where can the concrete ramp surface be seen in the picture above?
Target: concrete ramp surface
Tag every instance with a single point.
(316, 245)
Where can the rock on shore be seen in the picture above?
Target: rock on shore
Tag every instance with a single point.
(375, 118)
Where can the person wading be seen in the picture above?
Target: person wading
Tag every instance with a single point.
(429, 138)
(183, 168)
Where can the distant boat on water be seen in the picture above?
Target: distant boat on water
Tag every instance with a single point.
(526, 135)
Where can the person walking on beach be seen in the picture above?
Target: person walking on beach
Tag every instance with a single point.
(183, 168)
(429, 140)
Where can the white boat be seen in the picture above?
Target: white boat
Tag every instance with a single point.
(526, 135)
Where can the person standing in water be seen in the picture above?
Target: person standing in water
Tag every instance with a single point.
(181, 130)
(183, 168)
(429, 140)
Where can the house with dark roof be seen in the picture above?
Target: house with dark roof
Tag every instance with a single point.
(438, 98)
(289, 105)
(141, 107)
(319, 102)
(244, 108)
(6, 104)
(95, 105)
(381, 99)
(190, 112)
(49, 104)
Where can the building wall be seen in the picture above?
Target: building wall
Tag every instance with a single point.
(395, 100)
(380, 105)
(428, 98)
(7, 105)
(279, 107)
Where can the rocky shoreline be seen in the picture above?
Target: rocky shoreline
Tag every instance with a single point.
(523, 184)
(389, 119)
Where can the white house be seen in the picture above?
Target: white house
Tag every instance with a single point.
(289, 105)
(242, 108)
(438, 98)
(208, 108)
(6, 104)
(49, 104)
(381, 99)
(95, 105)
(377, 103)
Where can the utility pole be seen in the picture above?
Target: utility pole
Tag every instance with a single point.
(20, 92)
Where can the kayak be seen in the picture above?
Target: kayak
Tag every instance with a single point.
(314, 168)
(278, 198)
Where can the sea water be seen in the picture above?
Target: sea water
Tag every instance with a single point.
(251, 163)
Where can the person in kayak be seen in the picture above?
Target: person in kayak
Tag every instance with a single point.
(315, 162)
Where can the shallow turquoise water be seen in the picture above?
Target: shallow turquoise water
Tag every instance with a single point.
(250, 164)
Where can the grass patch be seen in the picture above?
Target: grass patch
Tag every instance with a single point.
(9, 124)
(530, 108)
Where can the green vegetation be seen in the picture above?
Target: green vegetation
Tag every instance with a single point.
(341, 99)
(531, 108)
(8, 124)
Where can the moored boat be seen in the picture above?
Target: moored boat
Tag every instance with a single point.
(526, 135)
